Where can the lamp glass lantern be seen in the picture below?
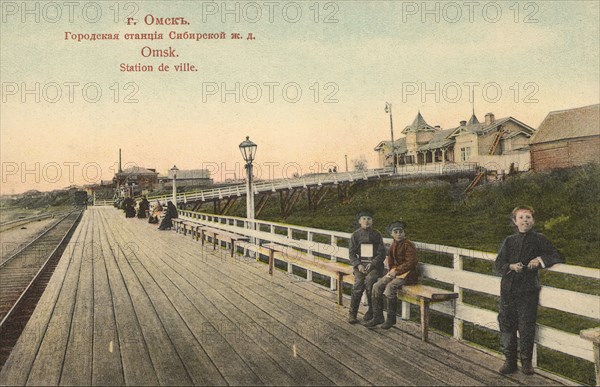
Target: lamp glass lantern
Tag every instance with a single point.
(248, 149)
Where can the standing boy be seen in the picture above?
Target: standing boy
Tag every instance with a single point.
(402, 258)
(367, 253)
(518, 262)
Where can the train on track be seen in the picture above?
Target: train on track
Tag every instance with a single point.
(80, 198)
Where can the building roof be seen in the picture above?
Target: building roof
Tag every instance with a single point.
(443, 138)
(440, 139)
(473, 120)
(137, 171)
(418, 125)
(190, 174)
(570, 123)
(481, 127)
(399, 145)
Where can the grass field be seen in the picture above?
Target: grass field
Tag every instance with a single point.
(566, 202)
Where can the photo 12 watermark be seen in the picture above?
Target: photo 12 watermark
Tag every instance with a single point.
(270, 11)
(469, 11)
(66, 172)
(72, 12)
(455, 92)
(69, 92)
(270, 92)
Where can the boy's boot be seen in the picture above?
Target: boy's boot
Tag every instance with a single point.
(352, 318)
(509, 366)
(391, 313)
(369, 315)
(377, 313)
(508, 346)
(354, 301)
(527, 367)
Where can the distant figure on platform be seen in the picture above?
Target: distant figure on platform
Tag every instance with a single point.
(335, 169)
(156, 213)
(129, 208)
(167, 223)
(520, 257)
(402, 259)
(128, 201)
(367, 253)
(143, 208)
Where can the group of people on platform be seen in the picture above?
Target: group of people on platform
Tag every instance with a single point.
(519, 259)
(142, 211)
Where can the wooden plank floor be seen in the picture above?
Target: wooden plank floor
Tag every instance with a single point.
(132, 305)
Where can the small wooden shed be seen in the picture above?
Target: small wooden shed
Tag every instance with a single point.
(567, 138)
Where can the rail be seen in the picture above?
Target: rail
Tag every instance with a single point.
(12, 223)
(17, 316)
(43, 267)
(36, 238)
(303, 238)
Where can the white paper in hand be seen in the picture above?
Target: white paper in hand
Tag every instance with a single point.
(366, 250)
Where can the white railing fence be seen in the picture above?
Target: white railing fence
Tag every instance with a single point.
(303, 238)
(274, 185)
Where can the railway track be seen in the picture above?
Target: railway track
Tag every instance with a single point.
(5, 226)
(24, 276)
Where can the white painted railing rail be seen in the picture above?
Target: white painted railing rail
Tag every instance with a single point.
(573, 302)
(274, 185)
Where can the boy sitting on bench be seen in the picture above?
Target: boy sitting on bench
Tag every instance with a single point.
(367, 253)
(402, 258)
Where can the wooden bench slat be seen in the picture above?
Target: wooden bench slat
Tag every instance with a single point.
(291, 255)
(430, 293)
(224, 234)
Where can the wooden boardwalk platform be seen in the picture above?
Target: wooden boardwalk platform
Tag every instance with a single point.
(131, 305)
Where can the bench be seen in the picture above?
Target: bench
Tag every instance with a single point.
(423, 295)
(186, 226)
(177, 224)
(309, 262)
(217, 235)
(418, 294)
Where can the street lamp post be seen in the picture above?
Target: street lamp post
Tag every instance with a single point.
(174, 170)
(388, 109)
(248, 149)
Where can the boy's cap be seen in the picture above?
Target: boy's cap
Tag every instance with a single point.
(396, 225)
(362, 213)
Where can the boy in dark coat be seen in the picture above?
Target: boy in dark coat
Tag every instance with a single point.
(518, 262)
(367, 253)
(402, 258)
